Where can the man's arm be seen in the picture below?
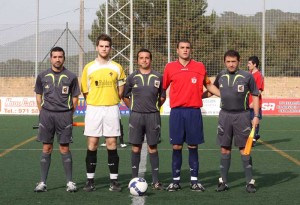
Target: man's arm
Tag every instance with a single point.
(85, 95)
(75, 103)
(127, 102)
(212, 89)
(39, 101)
(162, 100)
(206, 94)
(121, 91)
(255, 120)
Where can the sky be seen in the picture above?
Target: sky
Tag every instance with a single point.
(24, 12)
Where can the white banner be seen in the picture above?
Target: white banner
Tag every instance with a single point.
(211, 106)
(27, 106)
(18, 106)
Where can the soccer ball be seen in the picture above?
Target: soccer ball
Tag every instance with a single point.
(138, 186)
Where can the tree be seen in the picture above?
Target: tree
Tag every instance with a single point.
(150, 27)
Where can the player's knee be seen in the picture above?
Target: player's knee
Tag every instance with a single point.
(64, 148)
(152, 149)
(177, 147)
(192, 146)
(47, 148)
(111, 143)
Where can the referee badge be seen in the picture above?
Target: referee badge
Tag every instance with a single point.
(240, 88)
(65, 90)
(156, 83)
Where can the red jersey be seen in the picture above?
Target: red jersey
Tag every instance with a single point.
(186, 83)
(259, 80)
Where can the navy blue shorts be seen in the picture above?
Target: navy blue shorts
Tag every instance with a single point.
(186, 125)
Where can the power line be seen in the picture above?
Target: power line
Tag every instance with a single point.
(48, 17)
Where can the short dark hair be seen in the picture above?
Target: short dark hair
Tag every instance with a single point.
(143, 50)
(232, 53)
(54, 49)
(103, 37)
(254, 60)
(183, 41)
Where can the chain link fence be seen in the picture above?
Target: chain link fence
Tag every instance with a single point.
(211, 35)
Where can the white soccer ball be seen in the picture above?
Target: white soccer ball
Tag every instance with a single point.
(138, 186)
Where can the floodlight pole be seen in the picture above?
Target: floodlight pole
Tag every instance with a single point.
(81, 38)
(37, 38)
(168, 30)
(263, 38)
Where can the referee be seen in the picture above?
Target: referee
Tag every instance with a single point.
(144, 95)
(57, 92)
(234, 118)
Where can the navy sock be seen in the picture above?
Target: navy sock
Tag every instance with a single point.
(176, 165)
(194, 164)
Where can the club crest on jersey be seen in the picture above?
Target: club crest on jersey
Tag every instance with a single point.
(194, 80)
(65, 90)
(241, 88)
(156, 83)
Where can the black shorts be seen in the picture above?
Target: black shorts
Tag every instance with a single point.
(235, 126)
(144, 124)
(55, 122)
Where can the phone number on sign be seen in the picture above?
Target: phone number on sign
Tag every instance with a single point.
(21, 111)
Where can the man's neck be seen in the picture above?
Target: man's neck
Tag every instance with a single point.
(145, 71)
(254, 70)
(184, 62)
(57, 70)
(102, 60)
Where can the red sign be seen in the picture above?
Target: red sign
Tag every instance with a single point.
(281, 107)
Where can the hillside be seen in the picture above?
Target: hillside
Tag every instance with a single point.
(24, 49)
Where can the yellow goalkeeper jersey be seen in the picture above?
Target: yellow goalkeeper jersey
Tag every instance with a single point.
(100, 81)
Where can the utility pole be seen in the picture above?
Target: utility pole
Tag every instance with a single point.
(81, 38)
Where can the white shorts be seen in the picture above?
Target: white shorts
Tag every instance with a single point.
(102, 121)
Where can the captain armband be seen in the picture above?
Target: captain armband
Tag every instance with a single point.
(207, 80)
(121, 82)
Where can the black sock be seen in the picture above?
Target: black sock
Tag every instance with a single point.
(91, 161)
(113, 161)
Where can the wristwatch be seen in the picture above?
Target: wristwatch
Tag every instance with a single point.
(256, 116)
